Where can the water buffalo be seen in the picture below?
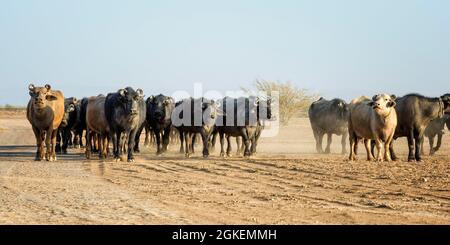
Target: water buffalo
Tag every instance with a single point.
(414, 113)
(435, 128)
(69, 120)
(159, 113)
(329, 117)
(374, 119)
(242, 117)
(80, 125)
(45, 112)
(125, 111)
(97, 123)
(194, 116)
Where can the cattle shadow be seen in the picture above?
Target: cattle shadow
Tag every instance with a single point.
(29, 151)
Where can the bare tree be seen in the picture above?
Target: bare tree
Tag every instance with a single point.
(292, 100)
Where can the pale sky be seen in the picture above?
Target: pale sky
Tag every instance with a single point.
(340, 48)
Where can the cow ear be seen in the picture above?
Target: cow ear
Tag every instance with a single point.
(391, 104)
(371, 103)
(122, 92)
(51, 97)
(31, 87)
(374, 97)
(140, 92)
(74, 100)
(393, 97)
(48, 87)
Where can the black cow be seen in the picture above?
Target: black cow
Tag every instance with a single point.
(125, 111)
(158, 119)
(64, 135)
(414, 113)
(80, 125)
(242, 118)
(194, 116)
(329, 117)
(435, 128)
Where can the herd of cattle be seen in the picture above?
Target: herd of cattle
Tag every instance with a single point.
(381, 120)
(120, 118)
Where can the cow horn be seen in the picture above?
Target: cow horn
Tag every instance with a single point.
(374, 97)
(48, 87)
(31, 87)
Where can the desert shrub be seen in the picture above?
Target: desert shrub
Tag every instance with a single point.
(293, 101)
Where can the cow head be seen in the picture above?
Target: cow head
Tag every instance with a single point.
(382, 104)
(40, 95)
(342, 108)
(162, 107)
(69, 107)
(446, 101)
(130, 100)
(210, 111)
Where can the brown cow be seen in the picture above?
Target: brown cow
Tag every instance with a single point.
(374, 119)
(45, 112)
(96, 123)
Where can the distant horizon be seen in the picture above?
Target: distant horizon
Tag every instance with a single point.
(338, 49)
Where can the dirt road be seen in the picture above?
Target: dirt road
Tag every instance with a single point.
(287, 183)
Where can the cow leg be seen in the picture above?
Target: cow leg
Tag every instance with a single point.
(193, 142)
(439, 143)
(100, 146)
(137, 138)
(205, 139)
(131, 144)
(187, 139)
(410, 138)
(212, 143)
(431, 141)
(379, 145)
(367, 144)
(88, 144)
(182, 136)
(318, 136)
(421, 148)
(158, 141)
(53, 145)
(147, 140)
(166, 139)
(418, 141)
(387, 154)
(39, 145)
(238, 146)
(246, 141)
(222, 141)
(353, 140)
(48, 150)
(343, 143)
(58, 141)
(229, 147)
(391, 150)
(115, 136)
(65, 140)
(329, 139)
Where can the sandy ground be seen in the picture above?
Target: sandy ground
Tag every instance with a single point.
(286, 183)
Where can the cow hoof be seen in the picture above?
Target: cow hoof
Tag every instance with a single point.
(117, 159)
(37, 159)
(131, 160)
(222, 154)
(229, 155)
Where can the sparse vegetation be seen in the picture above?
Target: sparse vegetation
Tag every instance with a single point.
(293, 101)
(8, 107)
